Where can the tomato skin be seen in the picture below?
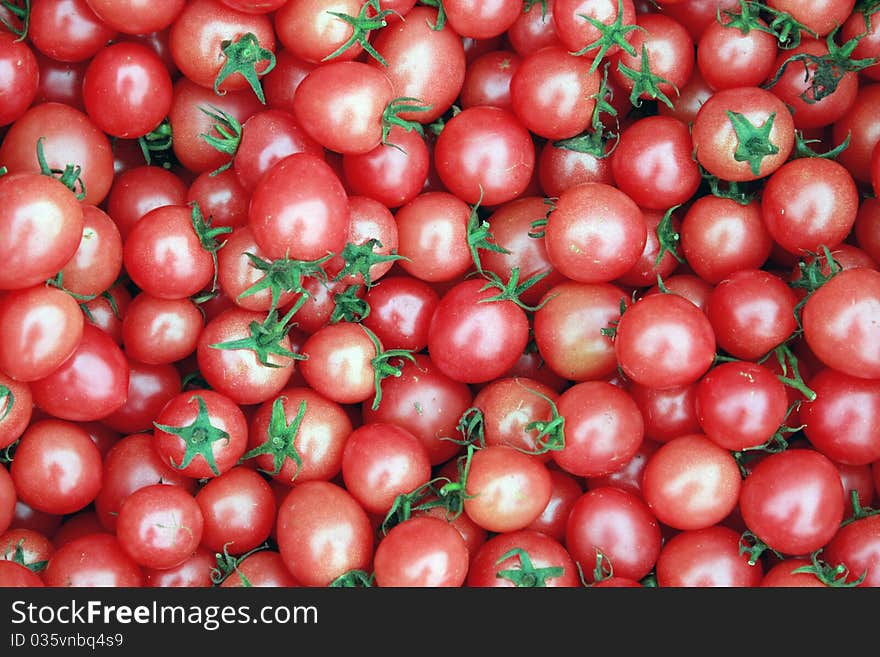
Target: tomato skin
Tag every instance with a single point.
(130, 464)
(421, 552)
(127, 90)
(67, 30)
(71, 137)
(751, 312)
(652, 163)
(620, 525)
(828, 216)
(566, 490)
(339, 363)
(560, 168)
(820, 16)
(707, 557)
(841, 422)
(160, 331)
(40, 327)
(150, 387)
(135, 17)
(603, 430)
(474, 340)
(485, 154)
(16, 409)
(691, 483)
(97, 262)
(664, 341)
(533, 29)
(436, 80)
(221, 197)
(94, 560)
(57, 468)
(728, 58)
(793, 501)
(160, 526)
(432, 236)
(543, 552)
(568, 329)
(19, 82)
(34, 546)
(719, 237)
(838, 321)
(90, 384)
(401, 308)
(510, 489)
(305, 30)
(8, 496)
(716, 141)
(41, 224)
(323, 533)
(509, 405)
(740, 405)
(547, 93)
(595, 233)
(137, 191)
(261, 569)
(193, 572)
(382, 461)
(238, 509)
(302, 222)
(238, 373)
(575, 33)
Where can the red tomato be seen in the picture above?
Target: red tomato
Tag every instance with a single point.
(323, 533)
(617, 524)
(524, 558)
(474, 338)
(839, 320)
(127, 90)
(595, 233)
(603, 429)
(91, 561)
(238, 509)
(201, 433)
(57, 468)
(421, 552)
(664, 341)
(160, 526)
(691, 483)
(486, 155)
(506, 489)
(793, 501)
(708, 557)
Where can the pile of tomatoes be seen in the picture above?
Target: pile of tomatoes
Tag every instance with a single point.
(439, 293)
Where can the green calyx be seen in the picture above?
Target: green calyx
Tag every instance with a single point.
(360, 259)
(479, 235)
(753, 142)
(382, 365)
(265, 339)
(526, 575)
(229, 129)
(391, 117)
(354, 579)
(613, 35)
(512, 290)
(645, 83)
(369, 18)
(17, 555)
(7, 402)
(550, 435)
(242, 56)
(668, 237)
(156, 145)
(208, 237)
(22, 12)
(837, 576)
(70, 176)
(285, 275)
(280, 438)
(439, 492)
(198, 437)
(349, 306)
(824, 72)
(228, 564)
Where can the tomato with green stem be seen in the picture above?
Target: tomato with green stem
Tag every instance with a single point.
(201, 433)
(523, 558)
(706, 557)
